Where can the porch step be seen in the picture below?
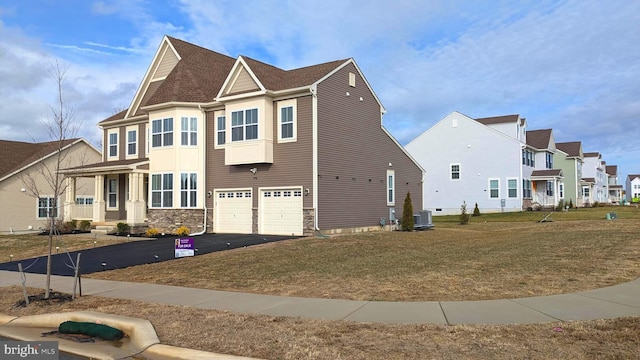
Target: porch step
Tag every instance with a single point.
(103, 229)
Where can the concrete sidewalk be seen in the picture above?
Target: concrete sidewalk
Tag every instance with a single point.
(610, 302)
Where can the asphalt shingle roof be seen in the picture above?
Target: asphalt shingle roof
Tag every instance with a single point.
(539, 139)
(572, 148)
(498, 119)
(15, 155)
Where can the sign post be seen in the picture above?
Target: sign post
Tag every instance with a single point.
(184, 247)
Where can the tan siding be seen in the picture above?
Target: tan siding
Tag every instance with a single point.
(142, 141)
(354, 155)
(19, 210)
(168, 62)
(243, 83)
(122, 144)
(292, 164)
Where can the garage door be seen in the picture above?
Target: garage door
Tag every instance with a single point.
(281, 211)
(233, 211)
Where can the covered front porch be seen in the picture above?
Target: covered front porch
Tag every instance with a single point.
(120, 193)
(546, 187)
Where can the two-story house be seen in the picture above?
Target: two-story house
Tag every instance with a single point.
(615, 188)
(234, 145)
(472, 161)
(632, 188)
(547, 181)
(594, 179)
(569, 159)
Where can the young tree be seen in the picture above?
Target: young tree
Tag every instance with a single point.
(45, 179)
(407, 214)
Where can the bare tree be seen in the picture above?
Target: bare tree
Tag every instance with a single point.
(45, 179)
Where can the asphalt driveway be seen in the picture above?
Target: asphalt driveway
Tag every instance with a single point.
(136, 253)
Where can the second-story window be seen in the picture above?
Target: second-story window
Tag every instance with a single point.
(221, 133)
(244, 125)
(162, 132)
(113, 144)
(549, 160)
(131, 142)
(455, 171)
(189, 131)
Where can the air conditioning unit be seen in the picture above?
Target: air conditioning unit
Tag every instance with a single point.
(422, 220)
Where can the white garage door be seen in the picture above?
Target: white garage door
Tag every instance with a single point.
(281, 211)
(233, 211)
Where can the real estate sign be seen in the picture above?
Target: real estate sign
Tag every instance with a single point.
(184, 247)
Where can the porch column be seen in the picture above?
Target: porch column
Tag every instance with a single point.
(136, 206)
(98, 204)
(69, 198)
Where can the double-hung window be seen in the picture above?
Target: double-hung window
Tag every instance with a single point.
(189, 131)
(112, 193)
(455, 171)
(162, 190)
(113, 144)
(132, 142)
(244, 125)
(549, 188)
(512, 185)
(47, 207)
(287, 120)
(188, 190)
(162, 132)
(549, 160)
(221, 132)
(494, 188)
(526, 188)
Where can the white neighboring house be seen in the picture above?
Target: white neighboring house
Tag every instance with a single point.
(632, 187)
(615, 189)
(594, 179)
(20, 212)
(473, 161)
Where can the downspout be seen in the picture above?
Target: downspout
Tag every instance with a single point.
(204, 170)
(314, 121)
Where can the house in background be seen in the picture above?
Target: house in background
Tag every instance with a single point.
(234, 145)
(473, 161)
(615, 188)
(24, 209)
(594, 179)
(633, 188)
(569, 159)
(547, 181)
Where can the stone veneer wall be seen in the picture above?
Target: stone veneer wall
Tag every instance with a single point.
(169, 220)
(308, 221)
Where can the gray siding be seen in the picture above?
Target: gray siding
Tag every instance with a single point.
(142, 141)
(354, 155)
(292, 165)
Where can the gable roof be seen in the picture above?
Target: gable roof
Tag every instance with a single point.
(611, 169)
(499, 119)
(547, 173)
(539, 139)
(592, 154)
(632, 177)
(17, 155)
(572, 148)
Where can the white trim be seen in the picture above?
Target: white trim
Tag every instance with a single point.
(216, 115)
(314, 156)
(235, 70)
(57, 207)
(292, 103)
(127, 143)
(489, 180)
(117, 193)
(517, 187)
(391, 185)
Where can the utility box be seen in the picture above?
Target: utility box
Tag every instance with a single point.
(422, 220)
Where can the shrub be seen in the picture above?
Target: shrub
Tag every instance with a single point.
(71, 225)
(123, 228)
(560, 206)
(464, 216)
(183, 231)
(407, 214)
(151, 232)
(570, 203)
(85, 225)
(476, 211)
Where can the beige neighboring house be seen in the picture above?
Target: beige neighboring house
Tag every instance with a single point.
(20, 209)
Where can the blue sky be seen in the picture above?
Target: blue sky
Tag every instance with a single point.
(573, 66)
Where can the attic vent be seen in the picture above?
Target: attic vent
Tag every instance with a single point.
(454, 122)
(352, 79)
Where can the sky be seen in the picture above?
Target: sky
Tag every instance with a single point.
(572, 66)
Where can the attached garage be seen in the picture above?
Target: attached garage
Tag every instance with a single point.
(280, 211)
(233, 211)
